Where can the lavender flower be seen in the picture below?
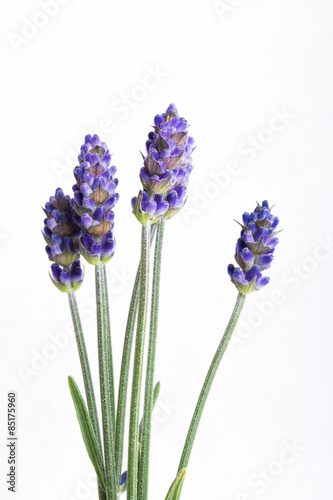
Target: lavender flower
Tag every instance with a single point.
(176, 199)
(61, 232)
(254, 249)
(167, 167)
(94, 251)
(62, 235)
(67, 278)
(148, 210)
(123, 482)
(94, 199)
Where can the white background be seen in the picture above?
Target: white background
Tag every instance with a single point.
(230, 69)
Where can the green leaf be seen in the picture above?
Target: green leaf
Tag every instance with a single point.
(87, 431)
(175, 488)
(157, 389)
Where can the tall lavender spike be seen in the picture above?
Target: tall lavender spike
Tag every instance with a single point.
(94, 200)
(167, 167)
(254, 249)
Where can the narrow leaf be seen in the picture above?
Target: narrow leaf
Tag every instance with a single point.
(175, 488)
(157, 389)
(87, 431)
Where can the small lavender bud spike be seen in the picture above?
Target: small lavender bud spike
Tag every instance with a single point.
(62, 235)
(254, 249)
(60, 231)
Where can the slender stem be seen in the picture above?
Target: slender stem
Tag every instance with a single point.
(133, 446)
(148, 405)
(125, 366)
(109, 351)
(88, 384)
(110, 477)
(86, 374)
(208, 382)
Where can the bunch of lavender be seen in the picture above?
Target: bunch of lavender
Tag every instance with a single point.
(84, 226)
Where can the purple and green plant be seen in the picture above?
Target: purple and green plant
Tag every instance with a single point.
(83, 225)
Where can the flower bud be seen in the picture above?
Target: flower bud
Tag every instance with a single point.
(146, 210)
(254, 249)
(69, 278)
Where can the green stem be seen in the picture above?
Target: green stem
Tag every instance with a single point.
(123, 382)
(88, 384)
(109, 351)
(149, 391)
(208, 382)
(110, 476)
(86, 374)
(125, 366)
(133, 445)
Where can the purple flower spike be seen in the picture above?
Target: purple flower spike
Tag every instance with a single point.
(94, 199)
(167, 164)
(61, 232)
(254, 249)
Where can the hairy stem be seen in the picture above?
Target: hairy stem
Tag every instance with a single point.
(110, 476)
(86, 374)
(133, 447)
(149, 391)
(109, 352)
(208, 382)
(125, 366)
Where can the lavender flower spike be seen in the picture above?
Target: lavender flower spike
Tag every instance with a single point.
(94, 200)
(167, 167)
(254, 249)
(61, 232)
